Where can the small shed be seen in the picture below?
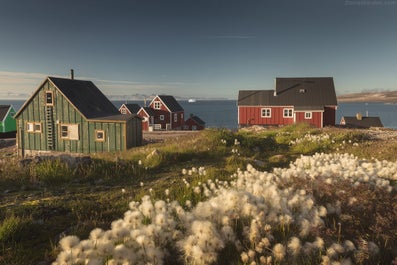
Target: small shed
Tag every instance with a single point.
(359, 121)
(194, 123)
(74, 116)
(7, 122)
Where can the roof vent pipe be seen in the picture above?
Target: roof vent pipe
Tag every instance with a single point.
(72, 74)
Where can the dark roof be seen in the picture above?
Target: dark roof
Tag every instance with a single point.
(307, 92)
(86, 97)
(365, 122)
(149, 111)
(133, 108)
(171, 103)
(3, 111)
(118, 117)
(197, 120)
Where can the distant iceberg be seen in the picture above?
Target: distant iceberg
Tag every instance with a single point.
(191, 100)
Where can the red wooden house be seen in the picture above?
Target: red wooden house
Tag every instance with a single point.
(163, 113)
(194, 123)
(311, 100)
(129, 108)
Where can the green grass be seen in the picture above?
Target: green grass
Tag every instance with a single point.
(44, 201)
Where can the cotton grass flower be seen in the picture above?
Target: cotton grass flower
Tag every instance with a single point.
(279, 252)
(294, 246)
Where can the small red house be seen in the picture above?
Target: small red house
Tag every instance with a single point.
(309, 99)
(194, 123)
(129, 108)
(163, 113)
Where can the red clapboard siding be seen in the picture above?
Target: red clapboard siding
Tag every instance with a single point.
(253, 115)
(315, 120)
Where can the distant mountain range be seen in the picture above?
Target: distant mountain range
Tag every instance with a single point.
(384, 96)
(148, 98)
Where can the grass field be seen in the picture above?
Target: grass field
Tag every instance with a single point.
(292, 195)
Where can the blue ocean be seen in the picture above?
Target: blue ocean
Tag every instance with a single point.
(223, 113)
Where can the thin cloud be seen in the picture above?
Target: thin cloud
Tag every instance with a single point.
(230, 37)
(19, 85)
(18, 77)
(22, 84)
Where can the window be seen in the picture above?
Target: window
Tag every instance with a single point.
(37, 127)
(70, 131)
(123, 111)
(266, 113)
(64, 131)
(288, 113)
(100, 135)
(308, 115)
(49, 98)
(30, 127)
(34, 127)
(175, 117)
(157, 105)
(161, 117)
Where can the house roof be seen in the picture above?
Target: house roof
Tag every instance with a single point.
(149, 111)
(170, 102)
(365, 122)
(305, 92)
(118, 117)
(83, 95)
(197, 120)
(86, 97)
(132, 107)
(3, 111)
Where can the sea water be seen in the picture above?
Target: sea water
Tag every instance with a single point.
(223, 113)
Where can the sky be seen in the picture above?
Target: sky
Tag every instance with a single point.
(197, 48)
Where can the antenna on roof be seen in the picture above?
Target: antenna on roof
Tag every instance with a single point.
(72, 74)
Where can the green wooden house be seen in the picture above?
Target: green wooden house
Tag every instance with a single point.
(7, 121)
(74, 116)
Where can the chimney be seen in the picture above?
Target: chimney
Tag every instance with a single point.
(359, 116)
(72, 74)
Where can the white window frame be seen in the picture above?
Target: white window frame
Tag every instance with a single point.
(288, 113)
(100, 139)
(52, 98)
(308, 115)
(32, 127)
(267, 111)
(161, 117)
(175, 117)
(157, 104)
(72, 132)
(123, 111)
